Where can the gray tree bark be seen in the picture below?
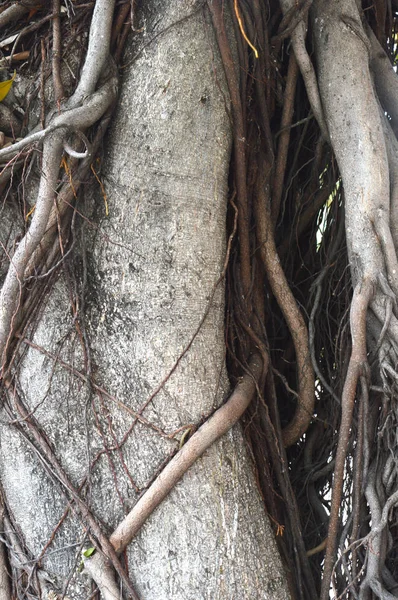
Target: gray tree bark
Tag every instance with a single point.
(150, 270)
(351, 64)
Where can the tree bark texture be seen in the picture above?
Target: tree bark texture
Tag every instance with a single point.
(350, 67)
(146, 278)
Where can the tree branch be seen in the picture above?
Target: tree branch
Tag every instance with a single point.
(293, 317)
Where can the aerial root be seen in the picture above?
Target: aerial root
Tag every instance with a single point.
(307, 70)
(287, 303)
(357, 366)
(216, 426)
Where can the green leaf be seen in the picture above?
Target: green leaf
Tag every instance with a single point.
(88, 552)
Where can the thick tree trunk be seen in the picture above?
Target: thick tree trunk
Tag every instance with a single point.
(154, 316)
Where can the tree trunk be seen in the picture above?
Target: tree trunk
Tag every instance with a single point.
(228, 249)
(149, 284)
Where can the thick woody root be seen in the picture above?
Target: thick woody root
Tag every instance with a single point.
(358, 366)
(216, 11)
(79, 115)
(293, 316)
(217, 425)
(101, 571)
(265, 233)
(371, 217)
(298, 36)
(84, 109)
(359, 142)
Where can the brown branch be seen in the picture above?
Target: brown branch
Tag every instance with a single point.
(298, 36)
(26, 30)
(283, 144)
(216, 12)
(119, 36)
(17, 10)
(11, 290)
(218, 424)
(242, 28)
(120, 21)
(290, 21)
(56, 58)
(358, 475)
(100, 570)
(305, 218)
(293, 317)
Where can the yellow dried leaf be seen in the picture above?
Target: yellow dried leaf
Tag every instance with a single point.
(5, 86)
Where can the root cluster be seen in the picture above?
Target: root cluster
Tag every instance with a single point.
(311, 271)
